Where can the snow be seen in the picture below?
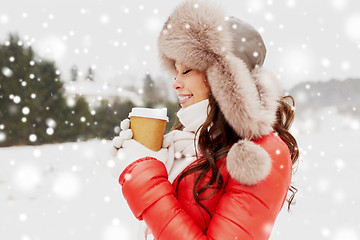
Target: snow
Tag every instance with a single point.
(345, 66)
(101, 31)
(62, 191)
(17, 99)
(4, 19)
(2, 136)
(339, 4)
(352, 27)
(7, 71)
(299, 61)
(32, 137)
(25, 110)
(67, 185)
(51, 47)
(66, 191)
(95, 90)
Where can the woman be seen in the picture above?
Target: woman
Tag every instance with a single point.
(233, 152)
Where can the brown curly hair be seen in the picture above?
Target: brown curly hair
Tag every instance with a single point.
(215, 137)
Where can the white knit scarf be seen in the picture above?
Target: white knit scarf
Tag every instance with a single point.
(184, 146)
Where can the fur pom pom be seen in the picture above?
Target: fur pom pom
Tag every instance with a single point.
(248, 163)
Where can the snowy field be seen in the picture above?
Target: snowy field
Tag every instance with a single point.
(66, 191)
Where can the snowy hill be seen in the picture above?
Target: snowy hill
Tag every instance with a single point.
(95, 91)
(327, 106)
(342, 95)
(66, 191)
(61, 191)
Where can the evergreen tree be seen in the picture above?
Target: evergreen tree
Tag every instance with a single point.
(150, 97)
(74, 73)
(108, 117)
(28, 94)
(33, 109)
(90, 74)
(76, 122)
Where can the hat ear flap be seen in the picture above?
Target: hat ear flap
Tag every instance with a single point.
(248, 163)
(238, 97)
(270, 92)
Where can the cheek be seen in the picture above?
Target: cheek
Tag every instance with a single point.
(203, 91)
(205, 86)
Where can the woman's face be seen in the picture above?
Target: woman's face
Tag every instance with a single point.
(191, 85)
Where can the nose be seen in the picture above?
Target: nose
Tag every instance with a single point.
(178, 83)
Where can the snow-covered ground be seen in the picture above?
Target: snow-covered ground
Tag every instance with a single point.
(66, 191)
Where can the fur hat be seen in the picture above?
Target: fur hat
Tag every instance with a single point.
(231, 53)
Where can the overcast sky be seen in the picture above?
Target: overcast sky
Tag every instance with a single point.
(306, 40)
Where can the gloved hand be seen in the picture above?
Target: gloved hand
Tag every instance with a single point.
(131, 151)
(124, 134)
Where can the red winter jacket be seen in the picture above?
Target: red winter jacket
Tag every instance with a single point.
(238, 211)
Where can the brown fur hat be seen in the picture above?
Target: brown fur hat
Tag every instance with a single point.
(231, 53)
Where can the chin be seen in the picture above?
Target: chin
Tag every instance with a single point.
(186, 105)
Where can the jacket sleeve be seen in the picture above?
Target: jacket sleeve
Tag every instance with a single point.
(243, 212)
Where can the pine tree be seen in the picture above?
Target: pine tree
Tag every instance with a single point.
(27, 95)
(76, 122)
(74, 73)
(149, 92)
(33, 109)
(108, 117)
(90, 74)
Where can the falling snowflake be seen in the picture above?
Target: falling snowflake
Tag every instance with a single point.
(50, 131)
(4, 19)
(32, 137)
(345, 65)
(23, 217)
(352, 27)
(25, 110)
(325, 62)
(7, 71)
(17, 99)
(2, 136)
(346, 234)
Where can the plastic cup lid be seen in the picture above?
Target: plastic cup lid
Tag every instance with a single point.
(149, 113)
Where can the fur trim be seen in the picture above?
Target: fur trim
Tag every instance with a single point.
(270, 91)
(248, 163)
(194, 35)
(239, 99)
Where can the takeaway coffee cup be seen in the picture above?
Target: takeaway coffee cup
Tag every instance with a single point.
(148, 126)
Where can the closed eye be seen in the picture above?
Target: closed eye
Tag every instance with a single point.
(187, 71)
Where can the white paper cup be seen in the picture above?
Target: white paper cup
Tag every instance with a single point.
(148, 126)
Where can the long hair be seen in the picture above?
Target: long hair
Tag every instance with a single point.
(215, 139)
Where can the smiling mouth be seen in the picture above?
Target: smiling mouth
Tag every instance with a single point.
(183, 98)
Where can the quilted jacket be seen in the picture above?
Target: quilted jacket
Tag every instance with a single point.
(237, 211)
